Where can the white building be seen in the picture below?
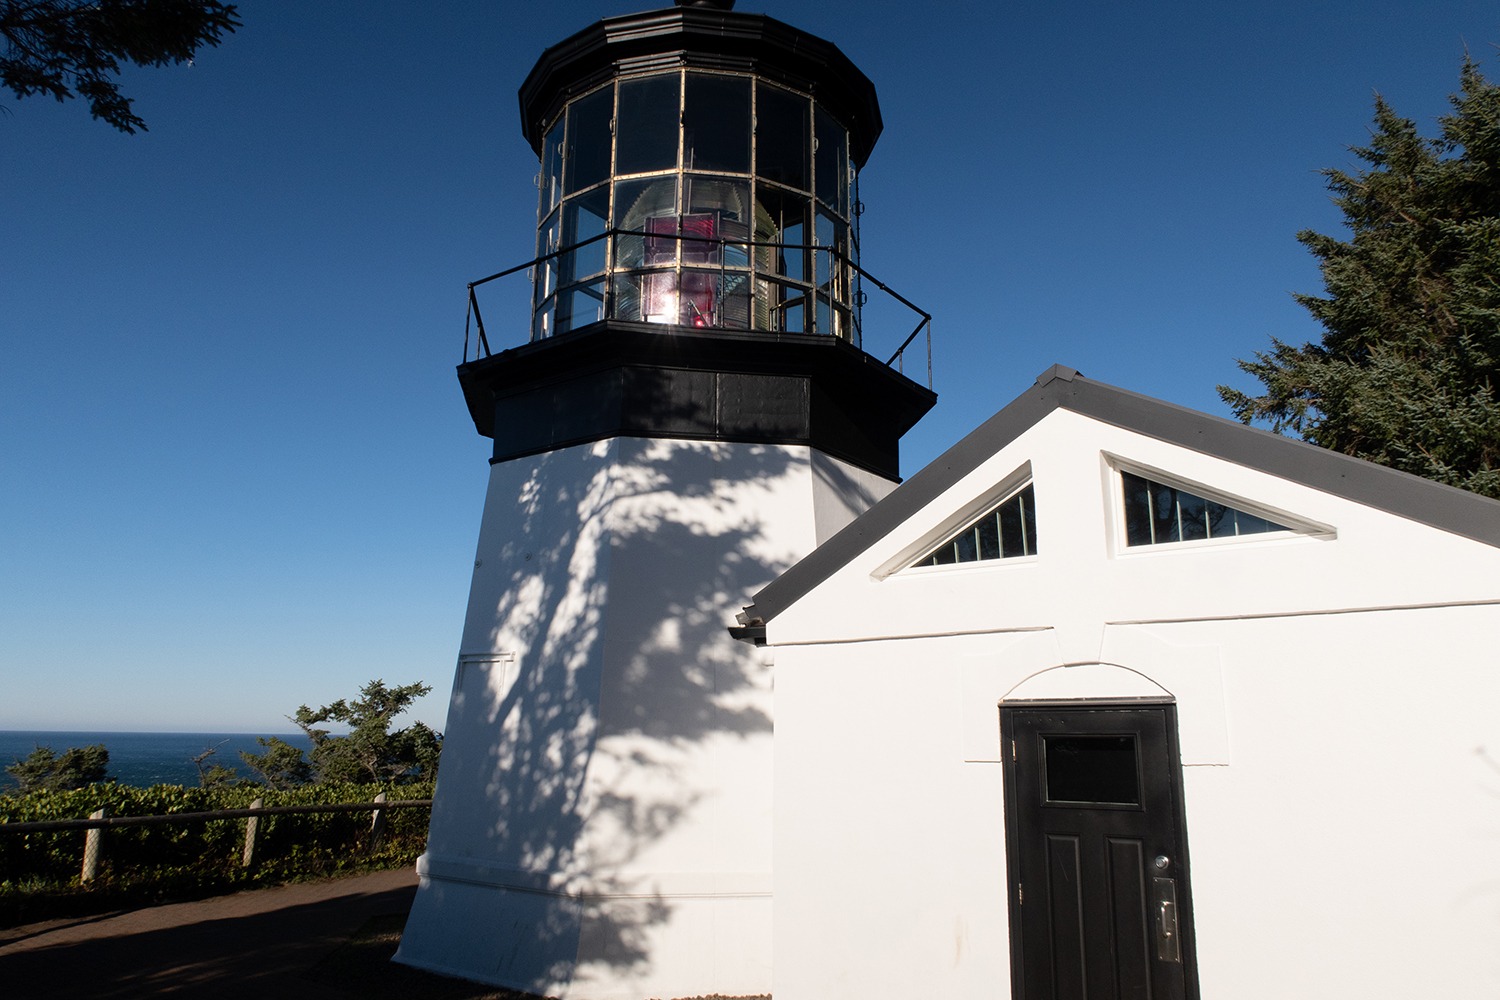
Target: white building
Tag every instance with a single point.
(1117, 699)
(1112, 700)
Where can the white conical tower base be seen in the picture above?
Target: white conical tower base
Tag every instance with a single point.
(602, 822)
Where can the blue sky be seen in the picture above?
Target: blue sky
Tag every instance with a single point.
(236, 471)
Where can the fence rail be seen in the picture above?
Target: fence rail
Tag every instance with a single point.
(93, 828)
(166, 819)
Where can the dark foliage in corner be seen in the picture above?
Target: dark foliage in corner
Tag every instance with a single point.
(75, 48)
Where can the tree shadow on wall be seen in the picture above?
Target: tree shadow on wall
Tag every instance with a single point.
(615, 732)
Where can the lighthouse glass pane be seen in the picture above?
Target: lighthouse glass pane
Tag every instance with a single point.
(642, 206)
(783, 141)
(546, 242)
(725, 197)
(700, 239)
(551, 175)
(824, 316)
(796, 317)
(588, 143)
(646, 127)
(637, 201)
(832, 238)
(717, 210)
(579, 306)
(583, 218)
(545, 279)
(781, 218)
(541, 323)
(831, 164)
(716, 123)
(697, 299)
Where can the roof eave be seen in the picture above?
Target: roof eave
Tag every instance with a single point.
(1446, 508)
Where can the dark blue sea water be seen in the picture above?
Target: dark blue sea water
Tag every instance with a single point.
(142, 759)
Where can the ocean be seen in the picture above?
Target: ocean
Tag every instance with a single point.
(142, 759)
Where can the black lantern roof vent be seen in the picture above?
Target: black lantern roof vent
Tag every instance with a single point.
(716, 4)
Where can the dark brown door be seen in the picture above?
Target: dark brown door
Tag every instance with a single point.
(1097, 853)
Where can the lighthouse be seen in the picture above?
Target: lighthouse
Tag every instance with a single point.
(689, 411)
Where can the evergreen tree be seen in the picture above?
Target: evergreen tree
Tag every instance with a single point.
(281, 766)
(1406, 372)
(370, 751)
(211, 775)
(76, 768)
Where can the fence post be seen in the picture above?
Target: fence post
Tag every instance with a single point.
(93, 838)
(252, 830)
(377, 824)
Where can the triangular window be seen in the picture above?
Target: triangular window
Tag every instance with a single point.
(1002, 532)
(1156, 513)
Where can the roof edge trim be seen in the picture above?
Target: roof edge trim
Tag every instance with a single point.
(1436, 505)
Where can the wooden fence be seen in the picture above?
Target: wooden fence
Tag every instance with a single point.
(93, 828)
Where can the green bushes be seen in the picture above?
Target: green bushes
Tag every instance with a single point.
(39, 872)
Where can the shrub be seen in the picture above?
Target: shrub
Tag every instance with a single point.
(40, 872)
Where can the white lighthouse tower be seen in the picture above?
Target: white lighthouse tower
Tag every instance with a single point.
(692, 414)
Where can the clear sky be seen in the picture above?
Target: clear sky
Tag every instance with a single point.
(236, 470)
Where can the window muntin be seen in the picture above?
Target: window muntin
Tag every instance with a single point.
(1005, 531)
(723, 157)
(1159, 513)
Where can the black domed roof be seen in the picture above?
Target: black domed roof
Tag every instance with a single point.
(706, 35)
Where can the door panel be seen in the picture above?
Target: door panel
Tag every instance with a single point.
(1097, 854)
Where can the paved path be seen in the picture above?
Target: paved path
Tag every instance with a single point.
(324, 940)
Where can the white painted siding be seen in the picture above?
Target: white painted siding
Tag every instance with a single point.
(1337, 708)
(602, 824)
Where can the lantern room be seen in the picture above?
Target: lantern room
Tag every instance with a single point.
(699, 168)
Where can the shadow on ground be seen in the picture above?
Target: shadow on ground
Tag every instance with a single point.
(362, 965)
(326, 941)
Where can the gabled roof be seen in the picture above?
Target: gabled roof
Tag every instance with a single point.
(1423, 501)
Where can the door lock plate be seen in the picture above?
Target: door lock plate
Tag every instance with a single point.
(1168, 941)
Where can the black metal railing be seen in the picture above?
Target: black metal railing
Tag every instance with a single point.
(841, 296)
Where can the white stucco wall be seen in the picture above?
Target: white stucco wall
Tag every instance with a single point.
(1337, 712)
(602, 823)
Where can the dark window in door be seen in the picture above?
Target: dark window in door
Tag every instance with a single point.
(1097, 852)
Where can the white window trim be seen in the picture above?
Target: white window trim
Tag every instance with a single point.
(999, 493)
(1297, 527)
